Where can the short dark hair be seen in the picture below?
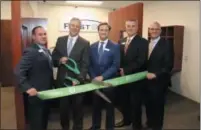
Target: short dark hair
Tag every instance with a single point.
(132, 20)
(34, 29)
(104, 23)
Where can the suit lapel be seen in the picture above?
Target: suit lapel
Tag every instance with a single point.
(157, 46)
(75, 47)
(65, 45)
(95, 51)
(41, 51)
(129, 46)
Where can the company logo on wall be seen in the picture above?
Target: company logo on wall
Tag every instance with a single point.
(87, 26)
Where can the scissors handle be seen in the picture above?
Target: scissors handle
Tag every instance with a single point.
(74, 69)
(72, 79)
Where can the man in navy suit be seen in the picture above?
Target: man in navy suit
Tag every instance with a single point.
(34, 73)
(104, 64)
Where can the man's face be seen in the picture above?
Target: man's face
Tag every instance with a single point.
(40, 36)
(103, 32)
(154, 31)
(74, 27)
(131, 28)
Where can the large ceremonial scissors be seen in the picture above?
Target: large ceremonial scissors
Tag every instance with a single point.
(75, 70)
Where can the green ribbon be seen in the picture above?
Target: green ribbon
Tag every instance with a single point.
(67, 91)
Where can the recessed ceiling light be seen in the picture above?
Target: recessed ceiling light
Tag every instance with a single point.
(85, 2)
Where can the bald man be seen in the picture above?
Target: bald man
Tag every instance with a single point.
(159, 66)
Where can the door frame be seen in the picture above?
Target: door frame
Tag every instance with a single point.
(16, 55)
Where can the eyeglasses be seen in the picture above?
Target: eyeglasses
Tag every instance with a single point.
(154, 29)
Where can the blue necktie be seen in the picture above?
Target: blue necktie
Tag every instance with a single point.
(100, 50)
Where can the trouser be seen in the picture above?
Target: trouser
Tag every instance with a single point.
(37, 113)
(123, 102)
(137, 98)
(98, 103)
(74, 101)
(155, 102)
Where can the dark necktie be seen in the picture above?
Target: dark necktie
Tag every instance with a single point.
(48, 54)
(100, 50)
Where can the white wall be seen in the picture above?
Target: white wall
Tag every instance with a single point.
(55, 13)
(184, 13)
(26, 10)
(5, 10)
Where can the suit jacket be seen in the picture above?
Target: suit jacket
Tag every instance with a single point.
(79, 53)
(110, 61)
(135, 58)
(34, 70)
(161, 61)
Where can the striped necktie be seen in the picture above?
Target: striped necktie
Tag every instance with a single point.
(151, 46)
(126, 45)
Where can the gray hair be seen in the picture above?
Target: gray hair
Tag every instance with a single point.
(156, 23)
(75, 19)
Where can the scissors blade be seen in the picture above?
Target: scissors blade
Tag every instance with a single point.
(99, 93)
(103, 96)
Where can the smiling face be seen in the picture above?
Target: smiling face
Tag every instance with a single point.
(74, 27)
(39, 36)
(103, 31)
(131, 27)
(155, 30)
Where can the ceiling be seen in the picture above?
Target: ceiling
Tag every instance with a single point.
(106, 4)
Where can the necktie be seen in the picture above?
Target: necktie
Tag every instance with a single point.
(48, 54)
(70, 45)
(151, 46)
(126, 45)
(100, 50)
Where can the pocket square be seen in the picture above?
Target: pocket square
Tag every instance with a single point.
(41, 50)
(106, 49)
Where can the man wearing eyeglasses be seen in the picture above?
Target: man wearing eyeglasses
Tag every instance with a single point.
(75, 47)
(159, 66)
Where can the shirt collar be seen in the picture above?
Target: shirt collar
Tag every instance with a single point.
(131, 38)
(74, 38)
(105, 41)
(41, 46)
(155, 40)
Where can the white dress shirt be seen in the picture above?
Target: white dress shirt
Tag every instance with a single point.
(131, 38)
(154, 41)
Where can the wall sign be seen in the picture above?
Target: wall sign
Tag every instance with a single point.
(87, 26)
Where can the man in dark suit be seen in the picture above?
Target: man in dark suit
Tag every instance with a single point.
(75, 47)
(134, 51)
(104, 64)
(34, 73)
(159, 66)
